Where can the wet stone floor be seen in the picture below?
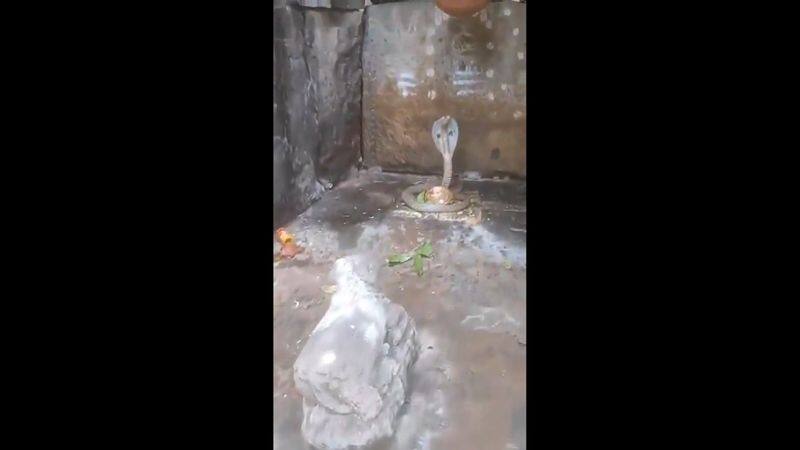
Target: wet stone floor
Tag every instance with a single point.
(467, 388)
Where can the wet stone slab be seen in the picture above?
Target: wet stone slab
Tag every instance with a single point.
(466, 389)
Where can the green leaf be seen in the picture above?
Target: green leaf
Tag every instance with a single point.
(421, 197)
(425, 250)
(418, 264)
(394, 260)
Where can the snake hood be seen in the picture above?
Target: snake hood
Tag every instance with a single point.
(445, 135)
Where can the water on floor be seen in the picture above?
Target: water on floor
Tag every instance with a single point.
(467, 388)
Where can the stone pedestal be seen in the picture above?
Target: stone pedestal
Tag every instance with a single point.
(353, 370)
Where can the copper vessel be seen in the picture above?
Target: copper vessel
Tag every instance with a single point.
(461, 8)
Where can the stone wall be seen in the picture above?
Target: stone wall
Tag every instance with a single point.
(420, 64)
(317, 102)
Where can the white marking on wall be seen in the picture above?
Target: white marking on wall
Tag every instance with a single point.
(466, 82)
(506, 11)
(430, 72)
(431, 94)
(516, 31)
(517, 114)
(470, 75)
(429, 50)
(491, 96)
(406, 84)
(490, 73)
(520, 55)
(490, 46)
(406, 80)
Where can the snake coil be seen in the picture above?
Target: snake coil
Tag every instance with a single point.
(410, 197)
(445, 137)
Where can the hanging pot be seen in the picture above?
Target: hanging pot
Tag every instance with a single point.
(461, 8)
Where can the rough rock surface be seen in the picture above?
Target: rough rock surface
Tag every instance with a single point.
(352, 372)
(316, 93)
